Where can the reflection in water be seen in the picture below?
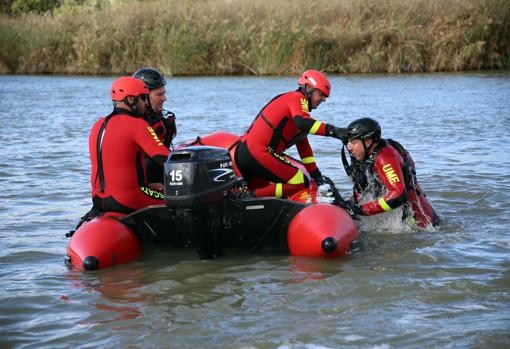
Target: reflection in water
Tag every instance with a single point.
(124, 313)
(306, 269)
(120, 289)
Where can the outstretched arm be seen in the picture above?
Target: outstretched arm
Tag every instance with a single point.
(305, 123)
(315, 127)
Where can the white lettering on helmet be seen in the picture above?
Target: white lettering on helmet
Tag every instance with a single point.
(312, 80)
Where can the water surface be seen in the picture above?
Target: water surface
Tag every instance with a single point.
(444, 288)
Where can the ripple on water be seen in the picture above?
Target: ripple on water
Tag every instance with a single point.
(405, 289)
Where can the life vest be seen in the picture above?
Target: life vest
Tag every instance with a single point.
(164, 126)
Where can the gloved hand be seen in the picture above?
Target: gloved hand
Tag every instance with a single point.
(337, 132)
(354, 208)
(333, 191)
(317, 177)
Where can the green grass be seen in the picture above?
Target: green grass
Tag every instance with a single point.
(216, 37)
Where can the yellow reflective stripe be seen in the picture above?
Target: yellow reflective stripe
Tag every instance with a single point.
(279, 190)
(152, 193)
(308, 160)
(298, 178)
(384, 205)
(315, 127)
(154, 135)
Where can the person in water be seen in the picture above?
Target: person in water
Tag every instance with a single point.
(118, 144)
(162, 121)
(285, 121)
(391, 170)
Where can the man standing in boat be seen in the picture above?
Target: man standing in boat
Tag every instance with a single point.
(285, 121)
(162, 121)
(118, 144)
(384, 169)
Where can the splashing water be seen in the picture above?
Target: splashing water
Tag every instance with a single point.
(386, 222)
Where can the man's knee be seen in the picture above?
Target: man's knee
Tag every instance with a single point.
(299, 179)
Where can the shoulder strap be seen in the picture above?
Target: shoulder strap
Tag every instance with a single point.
(99, 155)
(259, 114)
(408, 170)
(397, 146)
(99, 144)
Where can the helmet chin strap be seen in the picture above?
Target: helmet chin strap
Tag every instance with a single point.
(366, 149)
(308, 94)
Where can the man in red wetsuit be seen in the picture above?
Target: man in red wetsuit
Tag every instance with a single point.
(392, 169)
(117, 144)
(285, 121)
(162, 121)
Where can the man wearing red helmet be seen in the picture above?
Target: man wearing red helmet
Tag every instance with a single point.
(285, 121)
(117, 145)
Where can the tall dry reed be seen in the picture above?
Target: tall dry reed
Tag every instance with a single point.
(213, 37)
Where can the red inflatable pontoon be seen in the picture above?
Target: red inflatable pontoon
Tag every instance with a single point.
(301, 224)
(103, 242)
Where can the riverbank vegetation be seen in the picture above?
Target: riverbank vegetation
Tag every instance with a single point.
(215, 37)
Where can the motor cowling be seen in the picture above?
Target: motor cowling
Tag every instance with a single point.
(197, 182)
(198, 175)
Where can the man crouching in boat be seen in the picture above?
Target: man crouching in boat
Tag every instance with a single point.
(392, 170)
(162, 121)
(285, 121)
(117, 144)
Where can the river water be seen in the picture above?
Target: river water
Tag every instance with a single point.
(443, 288)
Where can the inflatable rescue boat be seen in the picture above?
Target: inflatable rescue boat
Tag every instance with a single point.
(204, 212)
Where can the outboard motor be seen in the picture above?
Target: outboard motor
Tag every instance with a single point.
(197, 181)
